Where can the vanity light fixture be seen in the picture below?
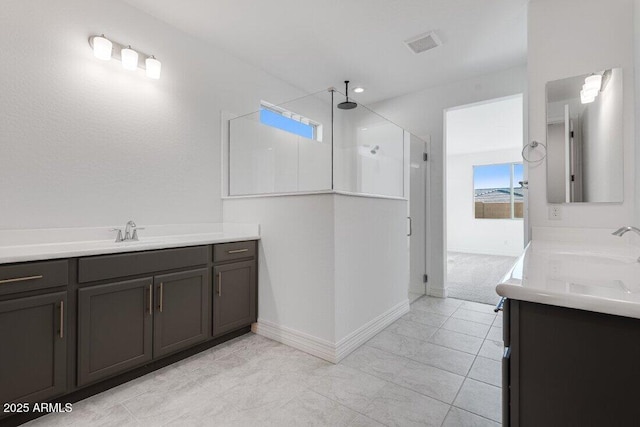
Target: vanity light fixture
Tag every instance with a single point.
(102, 47)
(153, 67)
(129, 59)
(105, 49)
(593, 83)
(358, 89)
(591, 88)
(586, 97)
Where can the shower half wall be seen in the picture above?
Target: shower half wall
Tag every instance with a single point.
(330, 200)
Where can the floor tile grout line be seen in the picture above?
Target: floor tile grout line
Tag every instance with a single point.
(405, 387)
(471, 367)
(423, 363)
(442, 345)
(476, 414)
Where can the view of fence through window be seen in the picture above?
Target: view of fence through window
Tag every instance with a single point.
(497, 193)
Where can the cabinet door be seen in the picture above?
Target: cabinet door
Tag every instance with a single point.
(114, 328)
(181, 311)
(234, 296)
(33, 348)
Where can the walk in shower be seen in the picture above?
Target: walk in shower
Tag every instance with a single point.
(309, 145)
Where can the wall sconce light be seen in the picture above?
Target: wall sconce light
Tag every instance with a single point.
(591, 88)
(153, 67)
(129, 59)
(105, 49)
(102, 47)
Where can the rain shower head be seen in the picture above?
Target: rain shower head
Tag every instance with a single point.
(347, 105)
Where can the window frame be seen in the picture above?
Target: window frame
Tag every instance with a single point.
(316, 126)
(512, 182)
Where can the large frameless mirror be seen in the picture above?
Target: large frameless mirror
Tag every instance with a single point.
(585, 149)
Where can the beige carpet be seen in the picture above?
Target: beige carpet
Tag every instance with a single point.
(473, 277)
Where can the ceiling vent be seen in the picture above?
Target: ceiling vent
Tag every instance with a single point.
(423, 42)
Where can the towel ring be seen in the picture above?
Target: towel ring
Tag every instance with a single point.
(532, 145)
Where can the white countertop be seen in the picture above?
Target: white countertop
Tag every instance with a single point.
(41, 244)
(572, 270)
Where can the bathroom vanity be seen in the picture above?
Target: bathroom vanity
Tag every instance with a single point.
(75, 326)
(572, 335)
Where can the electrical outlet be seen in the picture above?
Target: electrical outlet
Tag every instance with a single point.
(555, 212)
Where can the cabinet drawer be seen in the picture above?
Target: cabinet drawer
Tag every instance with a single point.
(235, 250)
(31, 276)
(105, 267)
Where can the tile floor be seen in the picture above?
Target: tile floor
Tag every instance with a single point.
(437, 366)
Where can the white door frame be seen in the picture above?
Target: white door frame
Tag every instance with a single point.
(444, 174)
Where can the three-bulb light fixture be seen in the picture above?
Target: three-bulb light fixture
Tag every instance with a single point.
(591, 88)
(105, 49)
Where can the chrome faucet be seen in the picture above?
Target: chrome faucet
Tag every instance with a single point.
(624, 230)
(128, 235)
(127, 231)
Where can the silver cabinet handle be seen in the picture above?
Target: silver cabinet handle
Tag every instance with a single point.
(220, 284)
(161, 295)
(150, 298)
(20, 279)
(61, 319)
(410, 226)
(500, 306)
(238, 251)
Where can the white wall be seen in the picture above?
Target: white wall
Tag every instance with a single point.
(296, 264)
(85, 143)
(422, 113)
(561, 44)
(465, 233)
(371, 259)
(602, 143)
(636, 20)
(332, 268)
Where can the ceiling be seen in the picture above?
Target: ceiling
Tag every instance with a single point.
(315, 44)
(489, 126)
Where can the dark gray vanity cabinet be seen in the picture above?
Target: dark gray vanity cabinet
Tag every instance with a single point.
(234, 286)
(234, 296)
(181, 317)
(569, 367)
(115, 327)
(33, 348)
(77, 326)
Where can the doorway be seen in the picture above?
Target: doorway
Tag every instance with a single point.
(484, 196)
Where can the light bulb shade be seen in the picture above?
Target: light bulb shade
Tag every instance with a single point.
(102, 48)
(153, 67)
(589, 91)
(593, 83)
(129, 59)
(586, 98)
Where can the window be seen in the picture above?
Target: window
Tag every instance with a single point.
(497, 192)
(288, 121)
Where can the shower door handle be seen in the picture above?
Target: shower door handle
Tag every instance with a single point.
(410, 226)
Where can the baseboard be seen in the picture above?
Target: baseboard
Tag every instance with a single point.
(326, 350)
(363, 334)
(296, 339)
(437, 292)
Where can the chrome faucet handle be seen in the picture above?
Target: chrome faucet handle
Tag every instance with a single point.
(135, 233)
(127, 230)
(119, 236)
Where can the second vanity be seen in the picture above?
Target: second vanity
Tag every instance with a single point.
(572, 331)
(79, 317)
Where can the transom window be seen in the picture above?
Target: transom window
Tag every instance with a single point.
(288, 121)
